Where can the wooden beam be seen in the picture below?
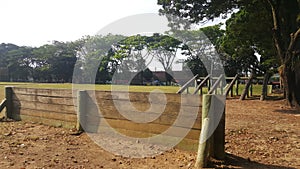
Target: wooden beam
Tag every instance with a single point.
(186, 85)
(9, 102)
(202, 84)
(2, 105)
(214, 87)
(231, 84)
(246, 90)
(81, 110)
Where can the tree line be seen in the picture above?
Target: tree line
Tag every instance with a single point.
(116, 53)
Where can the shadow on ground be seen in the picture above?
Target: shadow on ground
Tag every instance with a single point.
(233, 161)
(289, 111)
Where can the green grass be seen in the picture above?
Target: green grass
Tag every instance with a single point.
(256, 89)
(165, 89)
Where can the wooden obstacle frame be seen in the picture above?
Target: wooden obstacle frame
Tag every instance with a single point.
(56, 107)
(234, 83)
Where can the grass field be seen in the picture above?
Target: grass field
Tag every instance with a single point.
(166, 89)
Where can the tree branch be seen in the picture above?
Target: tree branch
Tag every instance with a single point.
(294, 37)
(276, 31)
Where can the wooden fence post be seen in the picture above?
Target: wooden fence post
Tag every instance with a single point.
(204, 149)
(211, 144)
(251, 89)
(81, 110)
(237, 87)
(246, 90)
(9, 102)
(219, 138)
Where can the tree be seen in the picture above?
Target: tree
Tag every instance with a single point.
(286, 31)
(135, 53)
(201, 46)
(20, 67)
(244, 34)
(55, 62)
(95, 59)
(164, 48)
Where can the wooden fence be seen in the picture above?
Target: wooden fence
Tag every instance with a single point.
(48, 106)
(56, 107)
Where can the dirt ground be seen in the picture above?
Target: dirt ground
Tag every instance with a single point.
(258, 135)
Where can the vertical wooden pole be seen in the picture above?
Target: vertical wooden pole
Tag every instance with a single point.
(221, 87)
(208, 84)
(219, 139)
(248, 92)
(9, 102)
(251, 90)
(203, 149)
(204, 142)
(81, 110)
(237, 87)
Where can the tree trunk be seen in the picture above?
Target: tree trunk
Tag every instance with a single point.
(297, 84)
(286, 34)
(290, 82)
(246, 90)
(265, 87)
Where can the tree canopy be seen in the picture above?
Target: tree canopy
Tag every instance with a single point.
(280, 18)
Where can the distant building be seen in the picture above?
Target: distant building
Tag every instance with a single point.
(152, 78)
(174, 78)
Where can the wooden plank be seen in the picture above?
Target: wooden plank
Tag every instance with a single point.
(158, 98)
(155, 118)
(45, 99)
(147, 128)
(188, 145)
(44, 92)
(50, 122)
(108, 108)
(49, 115)
(45, 107)
(143, 107)
(153, 128)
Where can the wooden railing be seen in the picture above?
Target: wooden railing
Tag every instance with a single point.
(2, 105)
(186, 85)
(202, 83)
(217, 84)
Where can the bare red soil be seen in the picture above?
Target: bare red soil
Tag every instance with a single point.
(258, 135)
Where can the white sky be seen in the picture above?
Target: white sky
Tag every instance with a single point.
(37, 22)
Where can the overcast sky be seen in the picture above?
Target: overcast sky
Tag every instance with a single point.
(37, 22)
